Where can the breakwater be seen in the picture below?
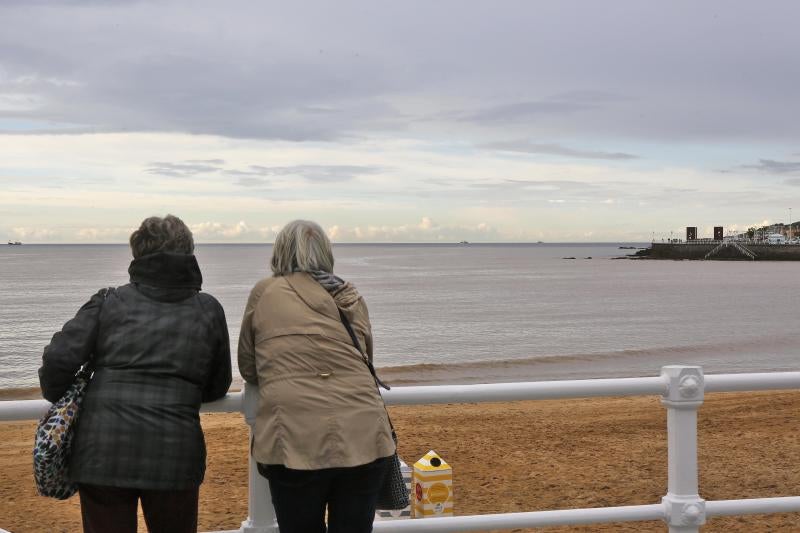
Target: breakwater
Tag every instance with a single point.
(726, 250)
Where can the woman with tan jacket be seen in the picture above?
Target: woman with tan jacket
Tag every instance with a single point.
(321, 436)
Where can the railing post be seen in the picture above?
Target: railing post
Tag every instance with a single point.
(261, 515)
(684, 509)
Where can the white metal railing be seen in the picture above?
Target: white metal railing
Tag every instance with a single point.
(682, 389)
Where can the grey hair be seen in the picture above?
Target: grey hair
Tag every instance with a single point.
(301, 246)
(156, 234)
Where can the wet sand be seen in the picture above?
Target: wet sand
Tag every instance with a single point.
(509, 457)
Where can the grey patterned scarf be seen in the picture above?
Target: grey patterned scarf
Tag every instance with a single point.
(329, 280)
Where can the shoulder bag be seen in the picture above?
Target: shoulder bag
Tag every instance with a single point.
(54, 433)
(393, 494)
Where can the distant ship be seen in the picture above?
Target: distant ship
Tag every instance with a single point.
(463, 242)
(15, 243)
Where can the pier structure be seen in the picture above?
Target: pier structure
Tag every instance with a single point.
(773, 243)
(726, 249)
(681, 387)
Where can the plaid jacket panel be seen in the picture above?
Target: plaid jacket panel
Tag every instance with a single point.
(156, 361)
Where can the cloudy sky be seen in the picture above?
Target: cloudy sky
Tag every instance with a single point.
(397, 121)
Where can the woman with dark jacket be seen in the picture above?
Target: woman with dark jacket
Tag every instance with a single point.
(321, 433)
(159, 347)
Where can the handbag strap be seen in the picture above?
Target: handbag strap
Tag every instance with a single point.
(378, 382)
(88, 367)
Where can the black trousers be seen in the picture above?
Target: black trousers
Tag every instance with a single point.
(113, 509)
(300, 497)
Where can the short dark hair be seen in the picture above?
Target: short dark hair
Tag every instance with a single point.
(156, 234)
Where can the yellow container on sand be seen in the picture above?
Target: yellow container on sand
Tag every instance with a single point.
(433, 487)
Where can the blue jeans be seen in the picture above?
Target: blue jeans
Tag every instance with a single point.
(301, 496)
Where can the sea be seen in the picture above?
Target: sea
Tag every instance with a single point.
(465, 313)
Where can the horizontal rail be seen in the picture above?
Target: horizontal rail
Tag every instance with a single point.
(15, 410)
(628, 513)
(231, 403)
(752, 382)
(494, 392)
(536, 390)
(753, 506)
(11, 410)
(574, 517)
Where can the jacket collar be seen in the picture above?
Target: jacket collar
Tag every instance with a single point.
(166, 270)
(312, 293)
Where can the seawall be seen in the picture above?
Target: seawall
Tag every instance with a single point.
(725, 251)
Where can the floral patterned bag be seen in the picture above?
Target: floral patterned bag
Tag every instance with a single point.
(53, 439)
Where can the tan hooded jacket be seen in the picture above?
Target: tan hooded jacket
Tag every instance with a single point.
(318, 404)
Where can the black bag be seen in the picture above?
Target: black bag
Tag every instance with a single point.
(393, 493)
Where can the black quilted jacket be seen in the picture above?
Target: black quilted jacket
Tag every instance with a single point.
(160, 348)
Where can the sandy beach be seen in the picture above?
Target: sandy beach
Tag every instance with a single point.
(506, 457)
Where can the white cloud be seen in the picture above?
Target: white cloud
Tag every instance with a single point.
(426, 230)
(212, 230)
(426, 223)
(269, 233)
(334, 232)
(36, 234)
(104, 234)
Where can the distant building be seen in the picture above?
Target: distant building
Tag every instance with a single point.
(776, 238)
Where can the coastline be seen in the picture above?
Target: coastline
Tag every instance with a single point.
(549, 455)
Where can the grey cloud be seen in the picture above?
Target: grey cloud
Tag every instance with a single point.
(518, 192)
(794, 182)
(28, 3)
(216, 162)
(555, 149)
(249, 69)
(252, 182)
(236, 172)
(180, 170)
(775, 167)
(572, 185)
(318, 110)
(590, 96)
(521, 111)
(679, 190)
(533, 184)
(316, 173)
(255, 175)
